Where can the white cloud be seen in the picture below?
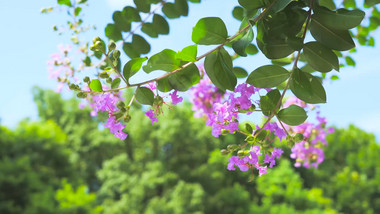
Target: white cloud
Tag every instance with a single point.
(119, 4)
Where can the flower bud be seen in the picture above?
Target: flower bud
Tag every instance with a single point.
(116, 54)
(109, 80)
(224, 132)
(111, 46)
(249, 139)
(232, 147)
(120, 104)
(86, 79)
(224, 152)
(298, 137)
(241, 153)
(81, 95)
(127, 118)
(73, 87)
(103, 75)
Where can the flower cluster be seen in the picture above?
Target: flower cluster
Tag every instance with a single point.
(107, 102)
(309, 151)
(59, 66)
(252, 160)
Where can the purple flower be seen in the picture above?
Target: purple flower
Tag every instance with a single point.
(116, 128)
(262, 170)
(175, 98)
(151, 116)
(306, 154)
(234, 160)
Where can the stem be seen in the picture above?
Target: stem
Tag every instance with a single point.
(291, 73)
(133, 98)
(144, 21)
(282, 125)
(115, 68)
(262, 14)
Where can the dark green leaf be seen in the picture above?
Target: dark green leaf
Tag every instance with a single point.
(160, 25)
(144, 96)
(341, 19)
(170, 11)
(188, 54)
(335, 39)
(113, 33)
(218, 66)
(241, 45)
(238, 13)
(142, 5)
(185, 78)
(140, 44)
(328, 4)
(268, 103)
(209, 31)
(182, 7)
(121, 22)
(307, 87)
(371, 2)
(252, 4)
(320, 58)
(95, 85)
(166, 60)
(115, 83)
(131, 14)
(132, 67)
(280, 5)
(164, 85)
(268, 76)
(293, 115)
(150, 30)
(251, 49)
(130, 50)
(240, 72)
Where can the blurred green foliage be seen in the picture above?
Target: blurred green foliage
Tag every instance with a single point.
(65, 164)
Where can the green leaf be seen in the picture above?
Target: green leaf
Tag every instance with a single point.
(131, 14)
(293, 115)
(164, 85)
(218, 66)
(130, 50)
(268, 103)
(144, 96)
(132, 67)
(328, 4)
(170, 11)
(113, 33)
(252, 49)
(320, 58)
(95, 85)
(209, 31)
(64, 2)
(185, 78)
(240, 72)
(182, 7)
(149, 29)
(280, 5)
(268, 76)
(252, 4)
(140, 44)
(335, 39)
(241, 45)
(371, 2)
(142, 5)
(350, 61)
(188, 54)
(115, 83)
(121, 22)
(307, 87)
(238, 13)
(165, 60)
(274, 49)
(77, 11)
(160, 25)
(341, 19)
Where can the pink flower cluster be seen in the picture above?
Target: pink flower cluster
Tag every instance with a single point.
(107, 102)
(252, 160)
(309, 152)
(59, 66)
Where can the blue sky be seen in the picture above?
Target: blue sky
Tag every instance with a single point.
(27, 40)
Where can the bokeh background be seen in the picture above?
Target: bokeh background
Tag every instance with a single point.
(55, 158)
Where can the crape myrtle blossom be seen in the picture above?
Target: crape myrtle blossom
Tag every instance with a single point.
(59, 66)
(309, 152)
(251, 160)
(106, 102)
(159, 101)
